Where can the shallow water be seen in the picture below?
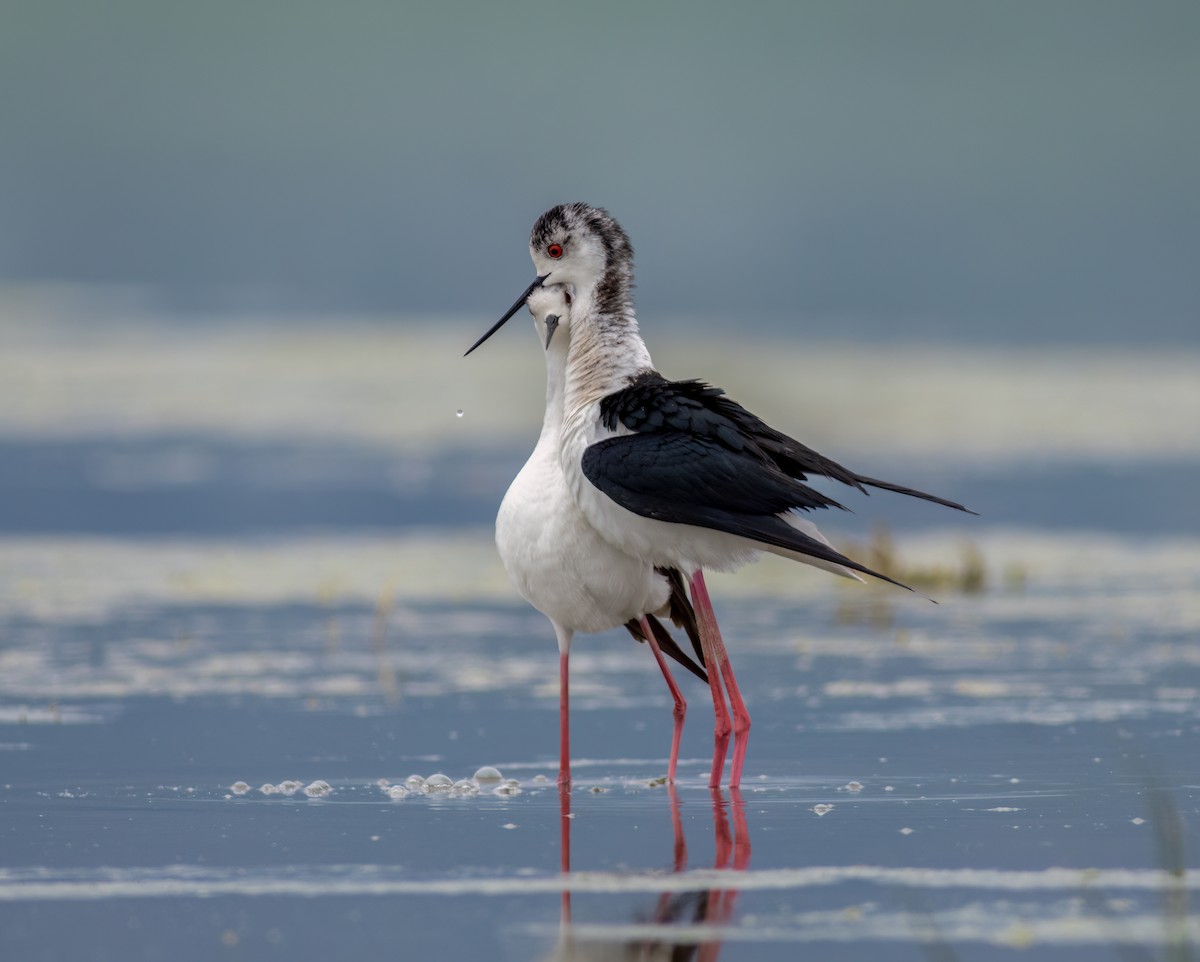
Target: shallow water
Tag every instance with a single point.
(191, 614)
(1003, 772)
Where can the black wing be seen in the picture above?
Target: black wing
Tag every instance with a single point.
(684, 479)
(669, 475)
(653, 404)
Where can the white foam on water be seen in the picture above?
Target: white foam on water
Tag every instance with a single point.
(1017, 925)
(180, 881)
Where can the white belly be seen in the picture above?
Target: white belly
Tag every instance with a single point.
(560, 564)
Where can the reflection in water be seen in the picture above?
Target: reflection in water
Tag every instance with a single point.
(675, 915)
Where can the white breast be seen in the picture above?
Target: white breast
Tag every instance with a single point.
(560, 564)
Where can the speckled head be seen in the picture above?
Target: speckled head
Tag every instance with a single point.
(584, 248)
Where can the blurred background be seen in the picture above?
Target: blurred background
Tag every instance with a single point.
(970, 172)
(242, 247)
(248, 480)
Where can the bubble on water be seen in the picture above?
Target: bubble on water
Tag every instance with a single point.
(906, 831)
(458, 413)
(415, 783)
(318, 789)
(289, 787)
(488, 776)
(509, 825)
(852, 787)
(464, 786)
(506, 789)
(889, 788)
(1138, 821)
(439, 783)
(268, 789)
(822, 809)
(396, 791)
(383, 783)
(541, 779)
(239, 788)
(512, 783)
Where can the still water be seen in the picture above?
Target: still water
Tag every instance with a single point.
(244, 596)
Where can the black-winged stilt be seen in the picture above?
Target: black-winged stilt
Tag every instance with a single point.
(673, 472)
(563, 567)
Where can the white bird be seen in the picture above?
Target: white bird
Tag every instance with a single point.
(673, 472)
(562, 566)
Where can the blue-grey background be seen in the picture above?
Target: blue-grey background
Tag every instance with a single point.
(995, 171)
(247, 479)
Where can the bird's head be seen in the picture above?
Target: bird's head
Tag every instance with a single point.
(584, 249)
(550, 306)
(579, 245)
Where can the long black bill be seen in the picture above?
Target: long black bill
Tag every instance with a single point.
(537, 282)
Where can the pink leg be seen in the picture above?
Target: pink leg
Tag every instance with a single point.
(564, 721)
(564, 804)
(680, 710)
(706, 622)
(710, 635)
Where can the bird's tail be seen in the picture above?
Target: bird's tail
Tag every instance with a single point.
(911, 492)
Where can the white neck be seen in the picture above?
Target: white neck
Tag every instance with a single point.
(606, 352)
(556, 379)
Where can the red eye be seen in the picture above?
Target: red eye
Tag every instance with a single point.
(554, 250)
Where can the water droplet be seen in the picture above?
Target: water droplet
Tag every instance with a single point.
(488, 776)
(458, 413)
(438, 783)
(268, 789)
(414, 783)
(397, 791)
(464, 786)
(318, 789)
(289, 787)
(822, 809)
(239, 788)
